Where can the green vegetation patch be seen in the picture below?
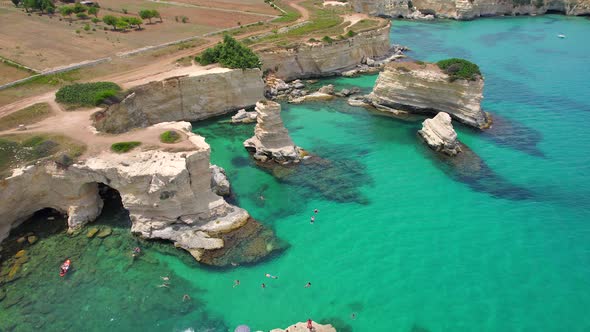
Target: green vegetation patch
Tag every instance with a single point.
(460, 69)
(231, 54)
(170, 136)
(122, 147)
(21, 150)
(26, 116)
(87, 94)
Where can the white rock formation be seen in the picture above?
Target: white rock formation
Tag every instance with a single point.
(427, 89)
(219, 183)
(184, 98)
(302, 327)
(168, 194)
(271, 140)
(439, 134)
(244, 117)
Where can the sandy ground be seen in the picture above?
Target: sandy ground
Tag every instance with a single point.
(334, 3)
(9, 73)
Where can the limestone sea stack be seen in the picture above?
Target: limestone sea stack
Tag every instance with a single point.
(426, 88)
(168, 194)
(439, 134)
(271, 140)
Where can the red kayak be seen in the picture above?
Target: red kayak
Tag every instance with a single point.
(64, 268)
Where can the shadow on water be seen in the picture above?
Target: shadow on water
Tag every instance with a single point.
(467, 167)
(509, 133)
(106, 288)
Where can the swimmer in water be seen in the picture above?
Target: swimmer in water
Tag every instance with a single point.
(185, 297)
(307, 285)
(353, 315)
(316, 211)
(268, 275)
(263, 286)
(166, 278)
(163, 285)
(312, 220)
(236, 283)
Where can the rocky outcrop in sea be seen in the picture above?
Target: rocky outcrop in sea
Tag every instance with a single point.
(271, 140)
(439, 135)
(302, 327)
(169, 196)
(183, 98)
(467, 9)
(425, 88)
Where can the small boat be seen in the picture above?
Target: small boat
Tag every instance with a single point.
(561, 36)
(65, 267)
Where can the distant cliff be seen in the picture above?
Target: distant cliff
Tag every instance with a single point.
(469, 9)
(316, 59)
(184, 98)
(425, 88)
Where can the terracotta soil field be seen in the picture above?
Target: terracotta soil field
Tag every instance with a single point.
(57, 43)
(10, 73)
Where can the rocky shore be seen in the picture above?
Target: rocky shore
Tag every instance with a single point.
(424, 88)
(302, 327)
(271, 141)
(169, 195)
(466, 9)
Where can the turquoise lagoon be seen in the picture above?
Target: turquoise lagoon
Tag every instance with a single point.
(402, 240)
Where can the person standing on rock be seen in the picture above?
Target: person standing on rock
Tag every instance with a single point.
(310, 325)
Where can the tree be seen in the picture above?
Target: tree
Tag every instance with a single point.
(132, 20)
(46, 6)
(16, 2)
(93, 11)
(146, 14)
(230, 54)
(156, 14)
(29, 4)
(66, 11)
(78, 8)
(110, 20)
(122, 24)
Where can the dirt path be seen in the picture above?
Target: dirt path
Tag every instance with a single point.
(302, 10)
(353, 19)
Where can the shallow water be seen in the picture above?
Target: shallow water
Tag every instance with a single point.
(404, 242)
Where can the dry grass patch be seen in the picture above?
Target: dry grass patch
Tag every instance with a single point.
(26, 116)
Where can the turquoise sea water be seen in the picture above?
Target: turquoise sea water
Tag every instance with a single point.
(401, 240)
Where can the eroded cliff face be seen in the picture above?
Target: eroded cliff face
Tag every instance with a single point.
(427, 89)
(323, 59)
(184, 98)
(168, 195)
(469, 9)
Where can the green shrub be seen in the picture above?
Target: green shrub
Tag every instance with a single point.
(327, 39)
(123, 147)
(231, 54)
(351, 33)
(460, 69)
(169, 136)
(87, 94)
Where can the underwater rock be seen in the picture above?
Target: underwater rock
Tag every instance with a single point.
(91, 232)
(247, 244)
(439, 135)
(219, 183)
(302, 327)
(104, 232)
(271, 140)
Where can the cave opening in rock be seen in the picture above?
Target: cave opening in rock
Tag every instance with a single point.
(113, 212)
